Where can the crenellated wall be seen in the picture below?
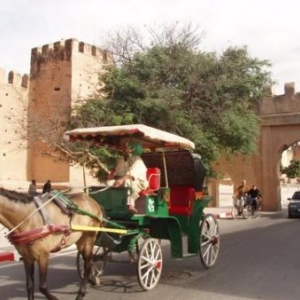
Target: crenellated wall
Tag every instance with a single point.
(14, 79)
(61, 74)
(287, 103)
(13, 103)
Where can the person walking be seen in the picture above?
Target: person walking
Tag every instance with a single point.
(32, 191)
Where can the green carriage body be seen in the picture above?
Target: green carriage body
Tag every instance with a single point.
(173, 210)
(168, 213)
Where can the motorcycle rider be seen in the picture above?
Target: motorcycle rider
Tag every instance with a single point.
(241, 191)
(254, 195)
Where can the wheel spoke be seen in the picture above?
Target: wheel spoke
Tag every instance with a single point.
(150, 264)
(209, 241)
(146, 260)
(146, 274)
(145, 265)
(205, 243)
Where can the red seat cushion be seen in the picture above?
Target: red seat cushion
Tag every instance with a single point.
(181, 199)
(153, 176)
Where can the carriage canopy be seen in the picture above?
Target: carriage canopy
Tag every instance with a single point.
(117, 136)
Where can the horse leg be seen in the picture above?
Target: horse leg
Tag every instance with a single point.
(29, 269)
(87, 253)
(43, 263)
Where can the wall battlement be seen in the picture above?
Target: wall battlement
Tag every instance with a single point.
(289, 102)
(14, 78)
(63, 50)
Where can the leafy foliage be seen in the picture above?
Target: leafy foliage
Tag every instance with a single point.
(292, 170)
(208, 98)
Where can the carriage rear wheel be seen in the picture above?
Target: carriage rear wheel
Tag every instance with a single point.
(209, 241)
(100, 257)
(150, 263)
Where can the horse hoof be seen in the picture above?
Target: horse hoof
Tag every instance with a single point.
(95, 280)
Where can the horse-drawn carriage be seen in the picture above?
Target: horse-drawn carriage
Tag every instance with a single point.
(98, 221)
(170, 208)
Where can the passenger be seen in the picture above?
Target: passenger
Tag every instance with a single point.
(32, 190)
(254, 195)
(131, 172)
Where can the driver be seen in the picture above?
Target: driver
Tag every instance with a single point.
(131, 172)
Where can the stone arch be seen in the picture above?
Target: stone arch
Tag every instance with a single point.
(280, 128)
(276, 137)
(238, 168)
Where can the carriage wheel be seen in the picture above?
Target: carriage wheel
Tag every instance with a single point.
(247, 212)
(150, 264)
(209, 242)
(99, 261)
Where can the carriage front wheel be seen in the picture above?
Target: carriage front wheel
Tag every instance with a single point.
(150, 263)
(209, 240)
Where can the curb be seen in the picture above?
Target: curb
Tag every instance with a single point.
(10, 256)
(14, 255)
(225, 215)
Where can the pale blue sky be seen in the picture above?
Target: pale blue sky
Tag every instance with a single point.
(270, 28)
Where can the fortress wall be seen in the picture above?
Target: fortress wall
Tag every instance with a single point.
(13, 116)
(62, 74)
(70, 68)
(49, 101)
(87, 63)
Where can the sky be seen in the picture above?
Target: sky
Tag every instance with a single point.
(269, 28)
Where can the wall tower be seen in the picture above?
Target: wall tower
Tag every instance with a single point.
(62, 74)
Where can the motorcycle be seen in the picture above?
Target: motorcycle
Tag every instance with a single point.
(242, 207)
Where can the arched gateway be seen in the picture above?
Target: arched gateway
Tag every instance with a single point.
(280, 128)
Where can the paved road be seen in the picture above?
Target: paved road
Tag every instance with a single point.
(259, 259)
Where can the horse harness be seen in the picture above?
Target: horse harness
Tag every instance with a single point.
(66, 205)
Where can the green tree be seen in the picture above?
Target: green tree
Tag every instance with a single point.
(171, 84)
(292, 170)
